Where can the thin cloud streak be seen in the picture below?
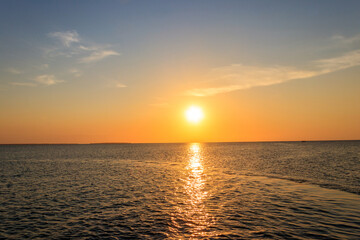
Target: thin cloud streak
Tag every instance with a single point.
(98, 55)
(26, 84)
(351, 59)
(13, 71)
(346, 40)
(245, 77)
(47, 80)
(120, 85)
(116, 84)
(75, 72)
(73, 46)
(205, 92)
(66, 38)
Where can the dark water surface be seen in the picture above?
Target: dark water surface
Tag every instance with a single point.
(282, 190)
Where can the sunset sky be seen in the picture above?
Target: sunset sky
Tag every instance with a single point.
(126, 71)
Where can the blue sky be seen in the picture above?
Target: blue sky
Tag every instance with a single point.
(231, 31)
(155, 53)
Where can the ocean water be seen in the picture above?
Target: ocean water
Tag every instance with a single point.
(281, 190)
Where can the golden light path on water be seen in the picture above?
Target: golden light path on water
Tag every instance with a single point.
(193, 210)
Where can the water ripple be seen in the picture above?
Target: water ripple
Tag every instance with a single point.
(187, 198)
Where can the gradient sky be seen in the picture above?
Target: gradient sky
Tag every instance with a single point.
(125, 71)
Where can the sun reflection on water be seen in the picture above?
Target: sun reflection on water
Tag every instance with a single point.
(193, 210)
(194, 186)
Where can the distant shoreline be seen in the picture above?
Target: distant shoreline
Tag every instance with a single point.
(126, 143)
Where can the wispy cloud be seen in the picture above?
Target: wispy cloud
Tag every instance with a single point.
(41, 79)
(98, 55)
(47, 80)
(120, 85)
(26, 84)
(88, 48)
(13, 71)
(346, 40)
(239, 76)
(72, 45)
(76, 49)
(66, 38)
(347, 60)
(243, 77)
(75, 72)
(204, 92)
(115, 84)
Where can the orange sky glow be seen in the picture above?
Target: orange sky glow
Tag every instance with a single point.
(258, 73)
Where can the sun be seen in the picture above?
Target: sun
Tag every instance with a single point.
(194, 114)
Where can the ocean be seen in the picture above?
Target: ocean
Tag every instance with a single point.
(274, 190)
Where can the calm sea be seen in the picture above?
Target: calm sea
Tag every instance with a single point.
(282, 190)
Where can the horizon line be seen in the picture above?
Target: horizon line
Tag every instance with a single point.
(105, 143)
